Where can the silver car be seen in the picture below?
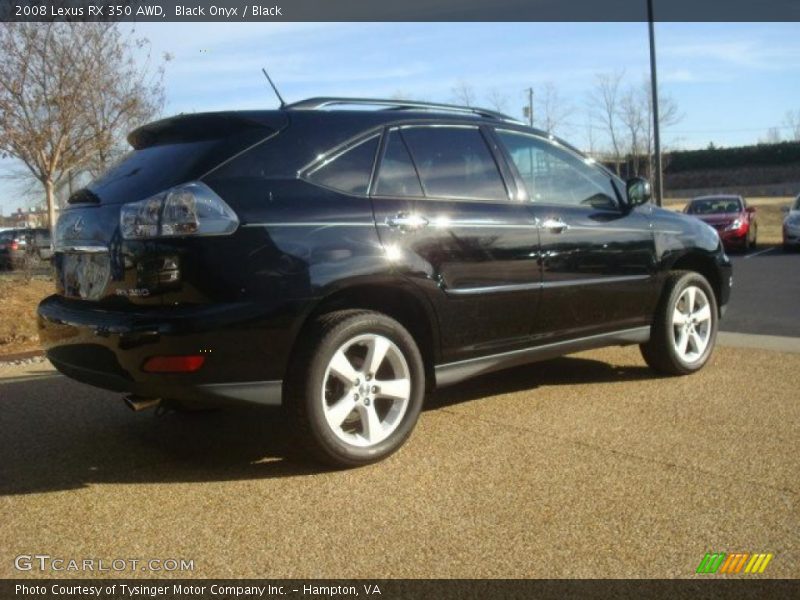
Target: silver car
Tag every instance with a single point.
(791, 226)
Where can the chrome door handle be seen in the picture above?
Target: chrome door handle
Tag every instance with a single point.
(554, 225)
(407, 222)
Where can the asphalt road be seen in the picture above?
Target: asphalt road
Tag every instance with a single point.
(766, 293)
(588, 466)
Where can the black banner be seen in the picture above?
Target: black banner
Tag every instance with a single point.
(436, 589)
(403, 10)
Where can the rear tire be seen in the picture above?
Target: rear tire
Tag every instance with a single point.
(355, 388)
(684, 330)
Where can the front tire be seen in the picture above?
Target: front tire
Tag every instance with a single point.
(684, 330)
(356, 388)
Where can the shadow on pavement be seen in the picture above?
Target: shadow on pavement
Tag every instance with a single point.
(560, 371)
(59, 435)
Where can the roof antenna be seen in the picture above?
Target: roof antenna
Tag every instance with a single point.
(277, 93)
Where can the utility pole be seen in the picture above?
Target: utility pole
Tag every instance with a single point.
(527, 111)
(654, 84)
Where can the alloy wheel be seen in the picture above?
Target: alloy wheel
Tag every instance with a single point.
(366, 390)
(691, 324)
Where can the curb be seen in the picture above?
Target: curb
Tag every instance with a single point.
(776, 343)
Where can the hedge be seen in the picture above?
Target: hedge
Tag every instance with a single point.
(743, 156)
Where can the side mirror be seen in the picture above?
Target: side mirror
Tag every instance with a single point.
(785, 209)
(639, 191)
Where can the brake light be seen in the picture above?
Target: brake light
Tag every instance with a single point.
(188, 209)
(173, 364)
(14, 245)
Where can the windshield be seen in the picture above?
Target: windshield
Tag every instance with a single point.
(715, 206)
(796, 204)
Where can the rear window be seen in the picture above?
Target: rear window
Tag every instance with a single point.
(153, 169)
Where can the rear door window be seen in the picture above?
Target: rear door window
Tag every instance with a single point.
(397, 176)
(454, 162)
(349, 171)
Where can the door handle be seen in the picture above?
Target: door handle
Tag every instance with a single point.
(407, 222)
(554, 225)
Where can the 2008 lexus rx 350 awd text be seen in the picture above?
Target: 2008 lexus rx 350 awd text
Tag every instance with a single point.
(341, 261)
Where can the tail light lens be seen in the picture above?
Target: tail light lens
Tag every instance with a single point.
(188, 209)
(14, 245)
(173, 364)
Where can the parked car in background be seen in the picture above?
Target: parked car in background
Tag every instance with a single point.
(13, 248)
(791, 226)
(342, 262)
(24, 247)
(734, 221)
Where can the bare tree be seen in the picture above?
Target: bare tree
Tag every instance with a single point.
(551, 109)
(604, 108)
(792, 122)
(668, 115)
(68, 93)
(463, 93)
(633, 118)
(497, 100)
(773, 136)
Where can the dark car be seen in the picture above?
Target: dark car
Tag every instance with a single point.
(730, 216)
(21, 248)
(13, 248)
(341, 262)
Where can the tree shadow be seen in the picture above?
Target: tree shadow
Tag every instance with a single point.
(58, 434)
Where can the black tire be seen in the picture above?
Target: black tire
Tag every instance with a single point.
(660, 353)
(303, 388)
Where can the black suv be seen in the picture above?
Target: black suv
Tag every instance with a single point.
(342, 261)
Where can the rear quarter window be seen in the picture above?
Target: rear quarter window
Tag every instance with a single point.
(349, 171)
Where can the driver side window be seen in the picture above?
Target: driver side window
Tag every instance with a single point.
(553, 175)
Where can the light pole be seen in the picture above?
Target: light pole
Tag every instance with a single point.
(654, 84)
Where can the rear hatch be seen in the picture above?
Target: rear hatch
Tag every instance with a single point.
(92, 261)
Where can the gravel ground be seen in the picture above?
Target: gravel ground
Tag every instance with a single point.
(588, 466)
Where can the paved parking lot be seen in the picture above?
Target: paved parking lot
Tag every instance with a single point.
(585, 466)
(764, 299)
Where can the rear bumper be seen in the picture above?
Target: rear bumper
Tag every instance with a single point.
(245, 351)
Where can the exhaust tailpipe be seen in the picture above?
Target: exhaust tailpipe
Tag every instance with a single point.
(137, 403)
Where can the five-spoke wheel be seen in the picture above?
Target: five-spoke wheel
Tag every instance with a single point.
(366, 389)
(356, 388)
(684, 330)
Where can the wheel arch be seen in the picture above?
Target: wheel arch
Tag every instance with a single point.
(398, 300)
(706, 266)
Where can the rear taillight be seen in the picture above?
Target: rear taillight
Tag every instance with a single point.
(173, 364)
(188, 209)
(14, 245)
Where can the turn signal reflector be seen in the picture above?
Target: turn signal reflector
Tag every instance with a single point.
(173, 364)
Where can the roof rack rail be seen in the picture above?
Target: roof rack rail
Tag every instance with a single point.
(326, 101)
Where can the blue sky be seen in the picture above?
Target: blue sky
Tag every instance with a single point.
(731, 81)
